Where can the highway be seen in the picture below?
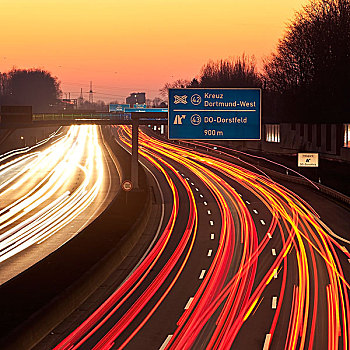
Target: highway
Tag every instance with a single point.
(49, 193)
(240, 262)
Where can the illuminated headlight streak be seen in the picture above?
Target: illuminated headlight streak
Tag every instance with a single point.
(54, 180)
(19, 237)
(81, 198)
(8, 169)
(18, 151)
(26, 223)
(39, 160)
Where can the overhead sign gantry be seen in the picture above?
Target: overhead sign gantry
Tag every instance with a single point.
(215, 114)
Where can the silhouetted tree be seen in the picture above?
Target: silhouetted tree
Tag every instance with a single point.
(177, 84)
(35, 87)
(194, 83)
(99, 106)
(310, 72)
(239, 72)
(156, 102)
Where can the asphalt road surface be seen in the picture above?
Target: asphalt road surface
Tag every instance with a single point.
(50, 192)
(238, 261)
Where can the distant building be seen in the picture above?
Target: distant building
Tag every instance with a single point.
(136, 97)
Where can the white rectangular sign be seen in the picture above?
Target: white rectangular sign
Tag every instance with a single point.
(308, 160)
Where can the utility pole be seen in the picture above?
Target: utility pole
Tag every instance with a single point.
(91, 94)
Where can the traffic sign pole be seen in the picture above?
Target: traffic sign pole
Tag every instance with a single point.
(135, 151)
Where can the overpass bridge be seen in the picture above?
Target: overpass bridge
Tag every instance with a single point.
(156, 117)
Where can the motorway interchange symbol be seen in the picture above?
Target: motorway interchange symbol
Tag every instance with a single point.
(180, 99)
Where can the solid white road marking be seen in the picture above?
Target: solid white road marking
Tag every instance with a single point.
(262, 222)
(188, 303)
(267, 341)
(273, 251)
(167, 340)
(274, 302)
(202, 275)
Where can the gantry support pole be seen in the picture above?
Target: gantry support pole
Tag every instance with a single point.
(135, 151)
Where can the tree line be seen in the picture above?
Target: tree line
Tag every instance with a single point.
(307, 79)
(32, 87)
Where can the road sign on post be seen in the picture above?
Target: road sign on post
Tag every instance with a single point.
(215, 114)
(308, 160)
(127, 185)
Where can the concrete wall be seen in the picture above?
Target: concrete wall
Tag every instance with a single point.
(325, 139)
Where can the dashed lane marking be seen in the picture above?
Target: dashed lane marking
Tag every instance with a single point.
(274, 302)
(273, 250)
(212, 236)
(201, 276)
(211, 222)
(210, 252)
(262, 222)
(209, 212)
(188, 303)
(267, 341)
(167, 340)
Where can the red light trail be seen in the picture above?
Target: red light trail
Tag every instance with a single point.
(306, 258)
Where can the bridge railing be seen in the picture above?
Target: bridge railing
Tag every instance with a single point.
(65, 116)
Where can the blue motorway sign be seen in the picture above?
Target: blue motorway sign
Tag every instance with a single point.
(152, 110)
(140, 105)
(215, 114)
(118, 107)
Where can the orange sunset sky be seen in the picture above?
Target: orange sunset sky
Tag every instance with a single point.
(135, 45)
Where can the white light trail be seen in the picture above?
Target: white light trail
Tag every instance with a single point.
(45, 190)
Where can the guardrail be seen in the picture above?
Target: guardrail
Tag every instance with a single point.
(74, 116)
